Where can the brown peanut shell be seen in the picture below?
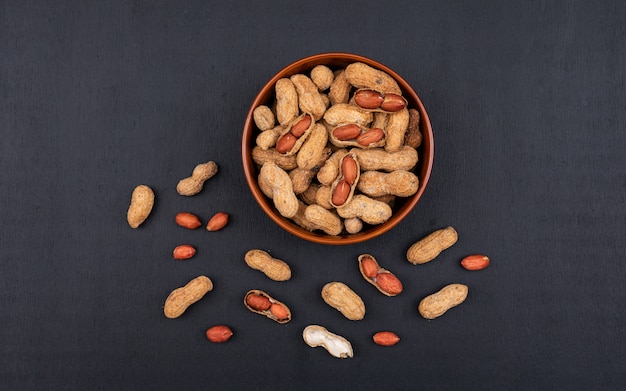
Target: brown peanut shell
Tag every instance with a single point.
(339, 296)
(429, 247)
(438, 303)
(274, 268)
(361, 75)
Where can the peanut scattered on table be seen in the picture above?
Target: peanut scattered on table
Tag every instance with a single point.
(141, 203)
(181, 298)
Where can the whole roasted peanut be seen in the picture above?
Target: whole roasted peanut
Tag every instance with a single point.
(286, 101)
(339, 296)
(329, 171)
(427, 248)
(300, 218)
(261, 156)
(313, 148)
(276, 311)
(200, 174)
(219, 333)
(267, 139)
(323, 219)
(181, 298)
(187, 220)
(141, 203)
(347, 132)
(334, 344)
(258, 302)
(367, 209)
(385, 281)
(400, 183)
(475, 262)
(413, 136)
(309, 98)
(397, 124)
(381, 160)
(263, 117)
(438, 303)
(218, 221)
(344, 113)
(184, 251)
(386, 338)
(274, 268)
(322, 76)
(278, 184)
(323, 197)
(371, 136)
(362, 75)
(339, 89)
(368, 99)
(353, 225)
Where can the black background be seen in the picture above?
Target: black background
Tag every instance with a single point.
(527, 102)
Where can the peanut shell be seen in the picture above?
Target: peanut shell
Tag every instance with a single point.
(438, 303)
(268, 312)
(429, 247)
(339, 296)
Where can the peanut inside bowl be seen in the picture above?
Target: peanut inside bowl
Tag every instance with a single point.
(402, 206)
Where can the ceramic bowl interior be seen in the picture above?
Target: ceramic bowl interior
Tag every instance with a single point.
(402, 207)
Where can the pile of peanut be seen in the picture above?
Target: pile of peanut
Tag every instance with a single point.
(336, 147)
(342, 151)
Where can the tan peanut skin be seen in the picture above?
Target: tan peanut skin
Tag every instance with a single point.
(361, 75)
(322, 76)
(181, 298)
(345, 113)
(274, 268)
(413, 135)
(339, 89)
(323, 219)
(313, 148)
(286, 101)
(429, 247)
(367, 209)
(263, 117)
(339, 296)
(435, 305)
(262, 156)
(141, 203)
(399, 183)
(309, 97)
(380, 160)
(276, 184)
(200, 174)
(397, 125)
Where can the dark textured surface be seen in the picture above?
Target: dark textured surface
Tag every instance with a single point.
(527, 102)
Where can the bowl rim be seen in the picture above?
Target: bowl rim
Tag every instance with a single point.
(250, 171)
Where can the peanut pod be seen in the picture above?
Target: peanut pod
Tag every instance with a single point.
(367, 209)
(399, 183)
(339, 296)
(345, 113)
(309, 97)
(181, 298)
(346, 182)
(381, 160)
(361, 75)
(262, 303)
(276, 184)
(429, 247)
(274, 268)
(295, 134)
(438, 303)
(385, 281)
(372, 100)
(286, 101)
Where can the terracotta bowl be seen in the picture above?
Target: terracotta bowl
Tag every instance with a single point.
(402, 206)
